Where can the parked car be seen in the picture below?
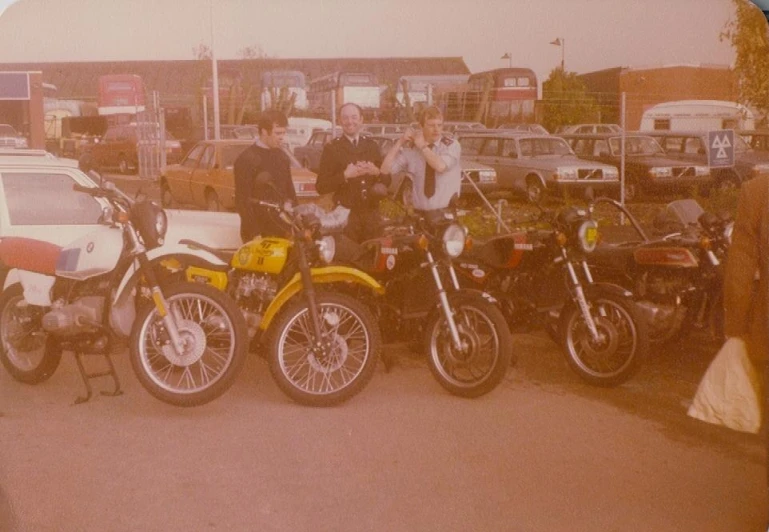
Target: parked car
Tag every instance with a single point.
(452, 127)
(10, 138)
(484, 176)
(526, 128)
(537, 164)
(589, 128)
(119, 149)
(205, 178)
(226, 132)
(309, 154)
(383, 129)
(647, 168)
(758, 139)
(37, 201)
(691, 146)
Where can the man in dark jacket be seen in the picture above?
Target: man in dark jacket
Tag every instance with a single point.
(268, 158)
(349, 167)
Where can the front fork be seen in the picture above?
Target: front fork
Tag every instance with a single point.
(309, 292)
(444, 298)
(170, 320)
(579, 295)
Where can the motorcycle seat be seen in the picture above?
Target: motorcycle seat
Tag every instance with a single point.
(224, 254)
(29, 254)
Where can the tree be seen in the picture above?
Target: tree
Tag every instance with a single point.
(566, 101)
(747, 33)
(252, 52)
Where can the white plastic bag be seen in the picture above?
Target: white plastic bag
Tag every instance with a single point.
(728, 394)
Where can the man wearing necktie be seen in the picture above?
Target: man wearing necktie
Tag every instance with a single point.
(349, 168)
(430, 159)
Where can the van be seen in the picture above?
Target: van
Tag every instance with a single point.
(696, 115)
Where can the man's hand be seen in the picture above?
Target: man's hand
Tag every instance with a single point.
(352, 171)
(419, 140)
(367, 168)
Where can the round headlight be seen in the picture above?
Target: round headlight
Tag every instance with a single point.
(161, 224)
(588, 235)
(454, 240)
(326, 248)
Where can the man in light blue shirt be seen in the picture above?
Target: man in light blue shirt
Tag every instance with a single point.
(431, 159)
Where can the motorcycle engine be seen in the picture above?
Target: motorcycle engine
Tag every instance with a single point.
(84, 315)
(658, 286)
(254, 292)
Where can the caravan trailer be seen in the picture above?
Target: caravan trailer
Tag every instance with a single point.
(696, 115)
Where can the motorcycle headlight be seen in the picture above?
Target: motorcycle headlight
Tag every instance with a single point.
(454, 240)
(588, 235)
(161, 225)
(326, 248)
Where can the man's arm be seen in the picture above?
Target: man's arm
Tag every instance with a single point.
(449, 157)
(242, 171)
(742, 261)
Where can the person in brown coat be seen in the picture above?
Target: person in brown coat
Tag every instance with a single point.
(746, 302)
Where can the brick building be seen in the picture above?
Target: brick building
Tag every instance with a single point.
(648, 86)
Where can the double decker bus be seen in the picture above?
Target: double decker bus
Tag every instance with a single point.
(274, 81)
(361, 88)
(120, 94)
(511, 94)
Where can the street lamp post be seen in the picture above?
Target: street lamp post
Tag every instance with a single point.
(560, 41)
(509, 58)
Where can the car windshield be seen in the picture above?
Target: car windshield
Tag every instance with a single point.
(230, 153)
(636, 146)
(536, 147)
(7, 131)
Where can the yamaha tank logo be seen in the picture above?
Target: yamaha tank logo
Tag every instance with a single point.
(89, 247)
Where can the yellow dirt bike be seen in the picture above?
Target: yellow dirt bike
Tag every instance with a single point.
(322, 346)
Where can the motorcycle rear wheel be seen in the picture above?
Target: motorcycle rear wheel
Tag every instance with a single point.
(625, 344)
(337, 373)
(483, 328)
(28, 353)
(216, 337)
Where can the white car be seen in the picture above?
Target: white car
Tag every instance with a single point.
(37, 201)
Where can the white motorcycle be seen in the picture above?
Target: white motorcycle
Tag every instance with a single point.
(187, 342)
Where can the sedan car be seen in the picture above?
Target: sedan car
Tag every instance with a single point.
(309, 154)
(647, 168)
(692, 146)
(205, 177)
(482, 176)
(537, 164)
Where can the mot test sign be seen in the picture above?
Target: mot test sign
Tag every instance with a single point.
(721, 148)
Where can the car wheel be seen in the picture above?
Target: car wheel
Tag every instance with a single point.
(212, 201)
(166, 199)
(534, 190)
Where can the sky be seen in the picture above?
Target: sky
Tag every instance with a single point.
(596, 34)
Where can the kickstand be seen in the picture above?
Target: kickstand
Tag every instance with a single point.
(88, 376)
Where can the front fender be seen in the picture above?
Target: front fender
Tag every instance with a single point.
(328, 274)
(185, 255)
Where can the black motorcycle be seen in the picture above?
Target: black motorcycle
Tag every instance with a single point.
(675, 274)
(463, 333)
(541, 279)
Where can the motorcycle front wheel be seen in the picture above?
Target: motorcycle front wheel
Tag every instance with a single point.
(487, 344)
(622, 345)
(336, 370)
(28, 353)
(215, 344)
